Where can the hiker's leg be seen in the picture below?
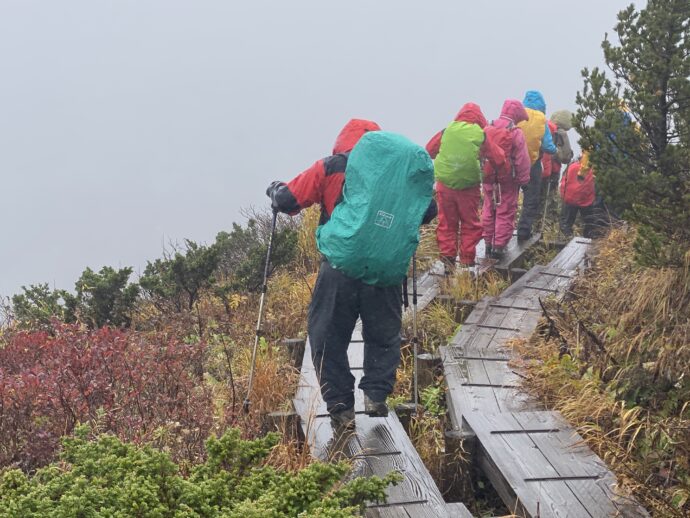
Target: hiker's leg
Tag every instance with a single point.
(448, 221)
(568, 215)
(333, 314)
(505, 215)
(488, 216)
(469, 201)
(530, 202)
(381, 321)
(588, 221)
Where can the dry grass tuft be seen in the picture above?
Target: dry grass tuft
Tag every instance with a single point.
(462, 286)
(308, 255)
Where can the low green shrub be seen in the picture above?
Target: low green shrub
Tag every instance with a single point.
(104, 476)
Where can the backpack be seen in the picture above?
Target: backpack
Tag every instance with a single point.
(564, 153)
(533, 129)
(502, 138)
(374, 230)
(457, 163)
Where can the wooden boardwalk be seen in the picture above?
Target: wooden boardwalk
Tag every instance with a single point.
(379, 445)
(535, 459)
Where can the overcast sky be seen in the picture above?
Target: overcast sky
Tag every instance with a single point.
(126, 124)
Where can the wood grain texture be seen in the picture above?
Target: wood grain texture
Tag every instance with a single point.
(537, 462)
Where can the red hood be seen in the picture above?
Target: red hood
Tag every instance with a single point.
(514, 110)
(471, 113)
(351, 133)
(552, 127)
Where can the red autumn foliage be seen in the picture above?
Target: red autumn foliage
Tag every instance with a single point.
(134, 385)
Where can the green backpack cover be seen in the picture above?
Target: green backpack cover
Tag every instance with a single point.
(457, 163)
(374, 230)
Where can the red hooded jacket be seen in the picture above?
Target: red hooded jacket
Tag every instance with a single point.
(323, 182)
(578, 190)
(470, 113)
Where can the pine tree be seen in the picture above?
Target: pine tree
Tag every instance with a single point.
(637, 127)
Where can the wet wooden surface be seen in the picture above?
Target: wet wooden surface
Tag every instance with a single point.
(535, 460)
(541, 467)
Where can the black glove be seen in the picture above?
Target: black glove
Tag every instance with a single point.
(272, 187)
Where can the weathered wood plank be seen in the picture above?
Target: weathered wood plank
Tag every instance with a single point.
(573, 255)
(517, 461)
(515, 251)
(459, 510)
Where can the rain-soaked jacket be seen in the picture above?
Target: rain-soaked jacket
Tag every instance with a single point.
(577, 185)
(537, 134)
(323, 182)
(459, 149)
(501, 200)
(512, 114)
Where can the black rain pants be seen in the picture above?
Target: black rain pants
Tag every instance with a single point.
(337, 302)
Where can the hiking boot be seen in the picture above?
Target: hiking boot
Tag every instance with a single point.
(338, 447)
(448, 264)
(375, 408)
(498, 253)
(523, 236)
(488, 250)
(343, 421)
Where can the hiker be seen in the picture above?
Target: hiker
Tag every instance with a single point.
(366, 239)
(578, 195)
(550, 169)
(458, 151)
(538, 139)
(559, 125)
(502, 185)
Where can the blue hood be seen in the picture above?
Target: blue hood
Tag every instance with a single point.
(535, 101)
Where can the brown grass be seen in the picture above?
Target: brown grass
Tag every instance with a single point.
(463, 286)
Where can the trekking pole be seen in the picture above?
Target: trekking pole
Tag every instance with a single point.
(546, 205)
(264, 288)
(415, 336)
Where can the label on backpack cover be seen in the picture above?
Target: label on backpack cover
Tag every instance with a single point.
(383, 219)
(373, 232)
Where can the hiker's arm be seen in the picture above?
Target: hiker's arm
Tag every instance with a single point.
(301, 192)
(547, 145)
(434, 145)
(520, 158)
(431, 212)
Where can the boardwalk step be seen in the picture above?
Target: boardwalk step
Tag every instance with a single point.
(541, 466)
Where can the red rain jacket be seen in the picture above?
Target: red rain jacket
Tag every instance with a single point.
(323, 181)
(578, 190)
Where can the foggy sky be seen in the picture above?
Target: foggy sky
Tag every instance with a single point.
(127, 124)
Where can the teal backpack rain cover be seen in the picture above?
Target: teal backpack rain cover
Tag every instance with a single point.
(374, 230)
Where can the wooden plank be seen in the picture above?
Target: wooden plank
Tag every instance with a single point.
(573, 255)
(458, 510)
(385, 447)
(567, 452)
(511, 460)
(515, 251)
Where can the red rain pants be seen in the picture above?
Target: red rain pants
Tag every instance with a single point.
(499, 220)
(458, 214)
